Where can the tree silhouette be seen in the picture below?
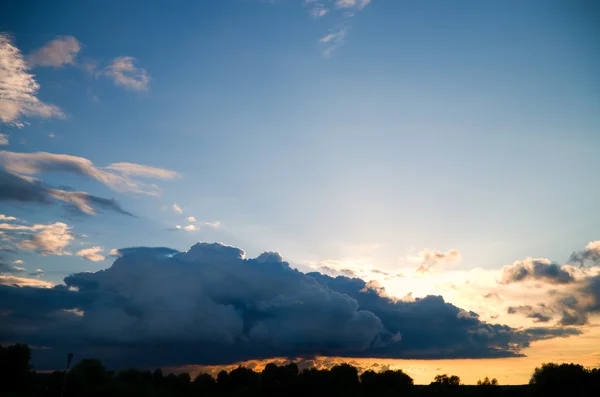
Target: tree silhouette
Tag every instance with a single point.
(15, 371)
(487, 382)
(89, 378)
(563, 379)
(445, 380)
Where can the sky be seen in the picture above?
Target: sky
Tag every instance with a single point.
(422, 170)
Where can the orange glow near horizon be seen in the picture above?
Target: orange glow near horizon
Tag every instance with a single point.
(509, 371)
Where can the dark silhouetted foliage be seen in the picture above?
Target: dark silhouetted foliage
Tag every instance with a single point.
(89, 378)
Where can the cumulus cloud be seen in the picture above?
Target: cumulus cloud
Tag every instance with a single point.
(535, 269)
(26, 190)
(50, 239)
(590, 254)
(59, 52)
(189, 228)
(117, 178)
(18, 88)
(428, 258)
(93, 254)
(122, 71)
(3, 139)
(191, 219)
(177, 209)
(212, 305)
(7, 218)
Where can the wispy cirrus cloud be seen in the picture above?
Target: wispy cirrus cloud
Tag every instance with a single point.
(57, 53)
(317, 9)
(24, 282)
(18, 88)
(3, 139)
(26, 190)
(177, 208)
(117, 178)
(346, 9)
(429, 258)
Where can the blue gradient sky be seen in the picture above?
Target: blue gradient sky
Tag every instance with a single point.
(432, 124)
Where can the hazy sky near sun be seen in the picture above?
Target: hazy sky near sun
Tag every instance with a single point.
(422, 144)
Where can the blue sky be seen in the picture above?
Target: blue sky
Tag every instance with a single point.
(356, 132)
(431, 124)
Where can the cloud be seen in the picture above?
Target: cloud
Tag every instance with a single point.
(360, 4)
(86, 202)
(591, 254)
(131, 169)
(177, 209)
(7, 218)
(57, 53)
(116, 178)
(189, 228)
(212, 305)
(18, 88)
(19, 189)
(535, 269)
(540, 315)
(24, 282)
(428, 258)
(123, 72)
(191, 219)
(318, 11)
(3, 139)
(6, 268)
(93, 254)
(333, 41)
(50, 239)
(214, 224)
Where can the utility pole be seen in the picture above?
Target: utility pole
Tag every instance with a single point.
(69, 358)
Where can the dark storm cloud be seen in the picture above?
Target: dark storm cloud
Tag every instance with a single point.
(210, 305)
(14, 188)
(541, 314)
(536, 269)
(591, 255)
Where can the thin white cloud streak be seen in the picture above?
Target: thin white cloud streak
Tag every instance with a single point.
(177, 208)
(123, 72)
(57, 53)
(94, 254)
(132, 169)
(360, 4)
(318, 11)
(116, 176)
(3, 139)
(18, 88)
(7, 218)
(24, 282)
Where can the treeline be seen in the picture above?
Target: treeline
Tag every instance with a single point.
(89, 378)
